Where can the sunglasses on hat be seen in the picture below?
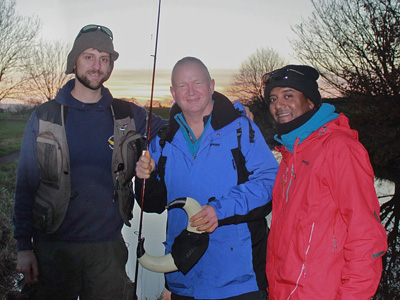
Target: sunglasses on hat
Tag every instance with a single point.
(93, 27)
(278, 75)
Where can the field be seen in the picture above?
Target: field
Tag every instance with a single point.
(11, 132)
(162, 112)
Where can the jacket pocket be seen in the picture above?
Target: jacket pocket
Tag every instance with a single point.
(294, 255)
(43, 214)
(304, 240)
(229, 258)
(130, 147)
(50, 157)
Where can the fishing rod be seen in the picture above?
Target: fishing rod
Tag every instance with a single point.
(147, 142)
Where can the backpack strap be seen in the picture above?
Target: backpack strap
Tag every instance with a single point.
(163, 159)
(51, 111)
(240, 160)
(122, 109)
(251, 131)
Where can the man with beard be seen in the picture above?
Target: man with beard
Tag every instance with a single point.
(74, 189)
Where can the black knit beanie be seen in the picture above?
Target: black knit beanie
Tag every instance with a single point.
(299, 77)
(96, 39)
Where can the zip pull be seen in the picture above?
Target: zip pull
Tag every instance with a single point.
(116, 185)
(116, 188)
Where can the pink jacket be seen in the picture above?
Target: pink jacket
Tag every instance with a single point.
(326, 239)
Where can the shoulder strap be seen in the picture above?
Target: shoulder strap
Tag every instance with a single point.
(51, 112)
(163, 159)
(251, 131)
(240, 160)
(122, 109)
(243, 173)
(162, 133)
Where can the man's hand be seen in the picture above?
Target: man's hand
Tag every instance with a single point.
(166, 294)
(249, 114)
(205, 220)
(145, 166)
(27, 264)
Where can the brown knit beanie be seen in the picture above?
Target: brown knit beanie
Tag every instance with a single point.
(96, 39)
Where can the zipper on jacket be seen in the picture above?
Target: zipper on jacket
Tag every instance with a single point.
(303, 270)
(290, 183)
(334, 240)
(292, 174)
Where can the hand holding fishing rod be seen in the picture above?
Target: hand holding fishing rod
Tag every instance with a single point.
(202, 220)
(145, 165)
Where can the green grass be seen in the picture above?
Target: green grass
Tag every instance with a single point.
(163, 112)
(8, 251)
(22, 115)
(11, 132)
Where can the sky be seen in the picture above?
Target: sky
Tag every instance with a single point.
(222, 33)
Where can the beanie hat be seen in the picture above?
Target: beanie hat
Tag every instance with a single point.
(96, 38)
(299, 77)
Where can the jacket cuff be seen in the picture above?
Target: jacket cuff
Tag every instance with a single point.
(24, 244)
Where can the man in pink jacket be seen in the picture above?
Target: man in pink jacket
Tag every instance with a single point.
(326, 239)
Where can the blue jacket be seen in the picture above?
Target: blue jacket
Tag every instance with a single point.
(92, 215)
(234, 261)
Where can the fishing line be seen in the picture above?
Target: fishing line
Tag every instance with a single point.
(147, 142)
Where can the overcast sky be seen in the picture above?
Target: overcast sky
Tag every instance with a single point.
(222, 33)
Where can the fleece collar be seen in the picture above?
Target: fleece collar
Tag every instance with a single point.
(223, 113)
(325, 114)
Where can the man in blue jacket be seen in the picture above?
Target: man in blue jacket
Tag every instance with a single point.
(74, 189)
(212, 153)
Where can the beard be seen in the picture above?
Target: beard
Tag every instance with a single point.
(93, 85)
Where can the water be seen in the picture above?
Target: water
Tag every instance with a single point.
(384, 188)
(137, 84)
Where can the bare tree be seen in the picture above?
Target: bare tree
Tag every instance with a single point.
(355, 44)
(247, 88)
(17, 35)
(246, 84)
(45, 68)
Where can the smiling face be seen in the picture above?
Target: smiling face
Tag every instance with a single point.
(93, 68)
(192, 90)
(288, 104)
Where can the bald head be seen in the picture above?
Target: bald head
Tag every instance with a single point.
(187, 61)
